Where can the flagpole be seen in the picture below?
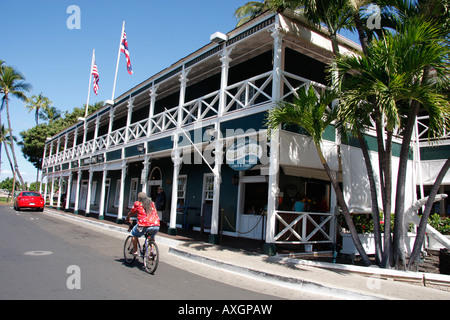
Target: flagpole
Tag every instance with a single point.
(117, 64)
(89, 90)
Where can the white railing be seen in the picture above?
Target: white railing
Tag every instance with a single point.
(293, 83)
(117, 137)
(249, 92)
(242, 95)
(423, 128)
(304, 227)
(138, 130)
(164, 121)
(200, 109)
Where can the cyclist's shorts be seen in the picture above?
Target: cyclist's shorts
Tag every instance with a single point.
(138, 231)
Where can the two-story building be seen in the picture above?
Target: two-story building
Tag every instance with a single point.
(197, 129)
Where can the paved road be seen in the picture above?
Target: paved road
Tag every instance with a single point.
(47, 257)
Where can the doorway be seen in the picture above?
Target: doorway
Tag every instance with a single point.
(155, 181)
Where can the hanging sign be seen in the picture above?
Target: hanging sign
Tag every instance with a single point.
(243, 154)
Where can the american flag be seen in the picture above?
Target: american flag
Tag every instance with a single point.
(96, 77)
(124, 49)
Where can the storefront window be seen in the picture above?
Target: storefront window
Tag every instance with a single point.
(304, 195)
(256, 195)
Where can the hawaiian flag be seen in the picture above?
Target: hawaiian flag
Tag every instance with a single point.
(96, 77)
(124, 49)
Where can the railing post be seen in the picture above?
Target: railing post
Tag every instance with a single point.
(269, 245)
(225, 59)
(129, 114)
(277, 60)
(151, 110)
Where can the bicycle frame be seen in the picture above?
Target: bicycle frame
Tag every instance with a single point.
(148, 251)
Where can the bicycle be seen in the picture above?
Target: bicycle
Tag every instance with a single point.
(149, 252)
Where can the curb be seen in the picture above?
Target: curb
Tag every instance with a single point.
(397, 275)
(293, 283)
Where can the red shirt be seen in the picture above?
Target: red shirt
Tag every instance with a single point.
(144, 219)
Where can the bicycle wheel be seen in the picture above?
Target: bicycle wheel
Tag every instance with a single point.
(127, 249)
(151, 257)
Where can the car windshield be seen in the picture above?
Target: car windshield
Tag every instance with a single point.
(30, 194)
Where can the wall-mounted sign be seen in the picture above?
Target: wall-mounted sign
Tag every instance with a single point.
(243, 154)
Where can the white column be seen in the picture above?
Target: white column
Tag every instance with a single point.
(88, 196)
(151, 109)
(269, 246)
(145, 172)
(110, 125)
(66, 140)
(45, 190)
(130, 112)
(52, 191)
(176, 158)
(218, 157)
(77, 192)
(101, 213)
(74, 150)
(122, 189)
(225, 59)
(277, 60)
(274, 190)
(97, 124)
(69, 191)
(58, 203)
(183, 81)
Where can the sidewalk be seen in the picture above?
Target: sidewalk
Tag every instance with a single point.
(245, 257)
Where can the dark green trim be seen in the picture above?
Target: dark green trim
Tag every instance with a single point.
(435, 153)
(172, 231)
(255, 121)
(114, 155)
(328, 134)
(214, 239)
(160, 145)
(373, 146)
(270, 249)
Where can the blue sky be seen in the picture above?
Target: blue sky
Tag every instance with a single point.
(56, 60)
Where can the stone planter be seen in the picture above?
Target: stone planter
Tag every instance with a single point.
(368, 243)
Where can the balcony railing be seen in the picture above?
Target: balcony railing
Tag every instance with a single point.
(239, 96)
(304, 227)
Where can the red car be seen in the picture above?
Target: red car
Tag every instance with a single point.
(29, 199)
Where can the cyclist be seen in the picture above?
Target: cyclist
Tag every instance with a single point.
(147, 217)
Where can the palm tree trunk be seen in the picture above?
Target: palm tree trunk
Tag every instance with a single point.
(398, 239)
(414, 259)
(16, 167)
(374, 198)
(341, 200)
(361, 34)
(401, 179)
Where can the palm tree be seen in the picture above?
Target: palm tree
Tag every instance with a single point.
(389, 80)
(12, 83)
(50, 114)
(5, 139)
(38, 104)
(312, 112)
(249, 11)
